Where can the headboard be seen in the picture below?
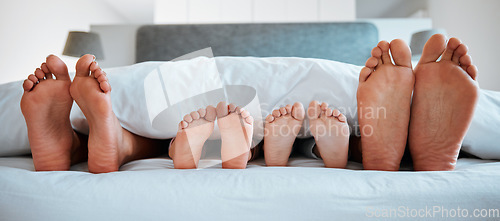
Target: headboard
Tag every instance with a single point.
(349, 42)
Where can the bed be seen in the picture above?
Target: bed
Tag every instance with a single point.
(150, 189)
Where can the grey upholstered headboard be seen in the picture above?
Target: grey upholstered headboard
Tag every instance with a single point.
(349, 42)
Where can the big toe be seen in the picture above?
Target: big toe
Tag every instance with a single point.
(83, 65)
(298, 111)
(433, 48)
(57, 67)
(401, 53)
(314, 110)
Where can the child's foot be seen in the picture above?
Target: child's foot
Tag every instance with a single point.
(109, 144)
(236, 129)
(194, 130)
(46, 104)
(384, 98)
(331, 133)
(281, 129)
(444, 99)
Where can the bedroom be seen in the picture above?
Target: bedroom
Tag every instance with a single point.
(29, 34)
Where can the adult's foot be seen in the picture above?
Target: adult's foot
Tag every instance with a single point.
(109, 145)
(281, 129)
(194, 130)
(331, 133)
(384, 98)
(444, 100)
(236, 129)
(46, 105)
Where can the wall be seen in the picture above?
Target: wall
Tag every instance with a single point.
(476, 24)
(32, 29)
(247, 11)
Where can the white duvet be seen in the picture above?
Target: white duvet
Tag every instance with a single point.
(277, 82)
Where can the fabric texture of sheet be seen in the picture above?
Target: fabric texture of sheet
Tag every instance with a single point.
(151, 189)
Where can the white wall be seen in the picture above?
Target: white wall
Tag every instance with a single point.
(32, 29)
(247, 11)
(476, 24)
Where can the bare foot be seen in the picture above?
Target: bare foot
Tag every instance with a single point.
(281, 129)
(109, 144)
(444, 99)
(384, 98)
(46, 104)
(331, 133)
(236, 129)
(194, 130)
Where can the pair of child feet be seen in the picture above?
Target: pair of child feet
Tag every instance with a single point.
(328, 126)
(236, 129)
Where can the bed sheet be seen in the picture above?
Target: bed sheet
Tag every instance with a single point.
(150, 189)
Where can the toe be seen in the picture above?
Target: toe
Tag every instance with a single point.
(183, 125)
(211, 113)
(105, 87)
(364, 74)
(94, 66)
(39, 74)
(384, 47)
(222, 109)
(57, 67)
(27, 85)
(341, 118)
(433, 48)
(188, 118)
(288, 108)
(102, 78)
(324, 105)
(232, 108)
(276, 113)
(195, 115)
(202, 112)
(313, 110)
(83, 65)
(465, 60)
(328, 112)
(33, 78)
(283, 111)
(472, 71)
(298, 111)
(245, 113)
(269, 118)
(46, 70)
(453, 44)
(459, 52)
(336, 113)
(371, 63)
(377, 54)
(401, 53)
(249, 120)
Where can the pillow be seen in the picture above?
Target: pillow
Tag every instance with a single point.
(276, 82)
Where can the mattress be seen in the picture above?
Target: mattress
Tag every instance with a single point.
(305, 190)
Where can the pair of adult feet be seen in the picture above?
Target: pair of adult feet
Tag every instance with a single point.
(434, 122)
(46, 105)
(236, 129)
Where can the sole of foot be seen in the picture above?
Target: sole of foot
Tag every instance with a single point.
(109, 144)
(444, 100)
(236, 129)
(281, 129)
(46, 105)
(384, 99)
(194, 130)
(331, 132)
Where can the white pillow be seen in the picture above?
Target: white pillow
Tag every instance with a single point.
(277, 81)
